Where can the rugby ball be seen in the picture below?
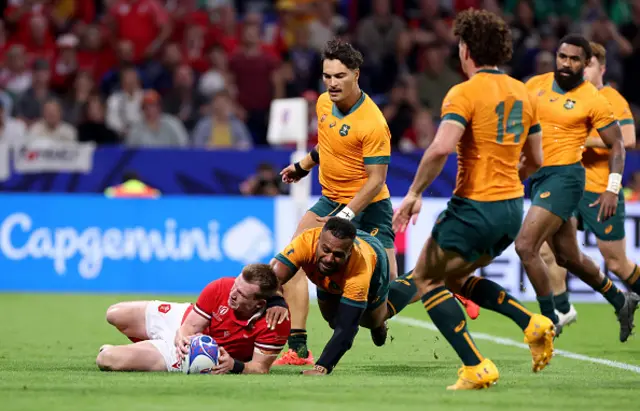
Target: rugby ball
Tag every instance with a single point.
(202, 357)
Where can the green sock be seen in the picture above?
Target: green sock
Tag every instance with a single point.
(611, 293)
(447, 315)
(298, 342)
(561, 301)
(634, 280)
(492, 296)
(401, 291)
(547, 308)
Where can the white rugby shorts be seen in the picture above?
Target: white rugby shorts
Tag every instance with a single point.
(162, 321)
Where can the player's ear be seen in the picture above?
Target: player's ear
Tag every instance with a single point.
(356, 74)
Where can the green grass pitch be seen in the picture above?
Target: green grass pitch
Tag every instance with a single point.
(48, 345)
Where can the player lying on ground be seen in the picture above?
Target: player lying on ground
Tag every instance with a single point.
(230, 310)
(351, 271)
(492, 120)
(609, 233)
(570, 108)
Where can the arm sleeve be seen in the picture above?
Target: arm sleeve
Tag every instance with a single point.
(456, 107)
(376, 144)
(346, 328)
(601, 115)
(271, 342)
(298, 252)
(205, 304)
(622, 111)
(535, 121)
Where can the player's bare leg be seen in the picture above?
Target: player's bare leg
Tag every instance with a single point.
(393, 263)
(569, 256)
(615, 257)
(538, 226)
(565, 311)
(141, 356)
(296, 293)
(130, 319)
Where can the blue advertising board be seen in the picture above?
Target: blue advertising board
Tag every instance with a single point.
(86, 243)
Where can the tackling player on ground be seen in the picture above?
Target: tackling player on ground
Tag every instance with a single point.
(351, 271)
(230, 310)
(569, 109)
(492, 120)
(610, 234)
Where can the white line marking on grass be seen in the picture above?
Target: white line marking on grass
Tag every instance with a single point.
(509, 342)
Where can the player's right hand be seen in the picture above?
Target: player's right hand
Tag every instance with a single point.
(289, 174)
(407, 212)
(275, 316)
(182, 344)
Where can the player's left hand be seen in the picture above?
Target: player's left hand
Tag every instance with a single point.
(608, 202)
(316, 370)
(225, 363)
(407, 212)
(275, 316)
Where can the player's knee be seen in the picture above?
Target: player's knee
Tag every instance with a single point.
(455, 284)
(526, 248)
(113, 314)
(108, 360)
(616, 265)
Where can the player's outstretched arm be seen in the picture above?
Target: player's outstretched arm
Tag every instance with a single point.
(376, 178)
(282, 270)
(260, 363)
(346, 325)
(532, 153)
(295, 172)
(192, 325)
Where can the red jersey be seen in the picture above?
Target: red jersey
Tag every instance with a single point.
(238, 337)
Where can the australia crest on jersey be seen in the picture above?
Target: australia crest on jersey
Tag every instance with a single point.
(344, 130)
(569, 104)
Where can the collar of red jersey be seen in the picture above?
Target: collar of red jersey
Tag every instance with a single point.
(251, 320)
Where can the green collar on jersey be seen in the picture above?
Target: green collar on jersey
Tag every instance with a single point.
(337, 113)
(556, 88)
(491, 71)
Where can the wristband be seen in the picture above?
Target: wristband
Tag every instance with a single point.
(615, 182)
(238, 367)
(315, 156)
(300, 171)
(346, 213)
(276, 301)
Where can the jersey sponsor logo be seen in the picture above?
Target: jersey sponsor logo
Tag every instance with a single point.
(552, 99)
(332, 125)
(344, 130)
(164, 308)
(545, 194)
(569, 104)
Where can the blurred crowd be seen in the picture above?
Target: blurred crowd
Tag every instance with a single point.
(203, 72)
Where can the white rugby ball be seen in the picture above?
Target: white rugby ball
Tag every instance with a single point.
(202, 357)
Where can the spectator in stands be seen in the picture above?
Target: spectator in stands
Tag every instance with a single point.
(326, 24)
(4, 37)
(15, 77)
(96, 55)
(51, 126)
(11, 130)
(92, 126)
(218, 77)
(183, 100)
(221, 129)
(156, 129)
(604, 31)
(40, 43)
(77, 97)
(112, 80)
(124, 108)
(306, 61)
(396, 65)
(431, 25)
(632, 190)
(421, 134)
(227, 22)
(399, 111)
(436, 78)
(266, 182)
(254, 70)
(145, 22)
(29, 105)
(378, 34)
(19, 15)
(65, 65)
(631, 63)
(160, 74)
(194, 48)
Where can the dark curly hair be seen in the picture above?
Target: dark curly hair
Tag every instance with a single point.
(486, 35)
(578, 41)
(344, 52)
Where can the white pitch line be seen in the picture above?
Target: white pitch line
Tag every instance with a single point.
(509, 342)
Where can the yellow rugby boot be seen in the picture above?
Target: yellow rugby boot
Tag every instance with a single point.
(539, 335)
(476, 377)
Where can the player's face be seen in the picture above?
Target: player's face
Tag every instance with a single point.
(332, 253)
(594, 71)
(570, 64)
(339, 80)
(243, 297)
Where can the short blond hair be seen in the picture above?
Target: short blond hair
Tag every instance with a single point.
(599, 52)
